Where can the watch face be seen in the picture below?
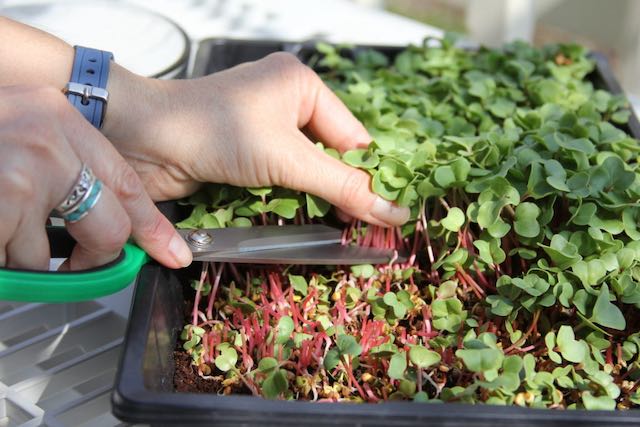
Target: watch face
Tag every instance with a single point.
(142, 41)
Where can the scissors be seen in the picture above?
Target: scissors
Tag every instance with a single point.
(313, 244)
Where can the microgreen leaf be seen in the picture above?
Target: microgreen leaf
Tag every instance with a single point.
(422, 357)
(597, 402)
(363, 270)
(361, 158)
(454, 219)
(267, 364)
(227, 358)
(526, 223)
(523, 195)
(571, 349)
(605, 313)
(275, 384)
(285, 329)
(299, 283)
(347, 344)
(478, 357)
(285, 207)
(316, 207)
(397, 365)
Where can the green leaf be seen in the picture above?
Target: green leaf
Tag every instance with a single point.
(241, 222)
(332, 359)
(227, 358)
(422, 357)
(444, 176)
(275, 384)
(480, 85)
(397, 365)
(384, 350)
(571, 349)
(426, 189)
(561, 251)
(550, 341)
(605, 313)
(347, 344)
(489, 213)
(361, 158)
(299, 284)
(490, 252)
(502, 107)
(363, 270)
(500, 306)
(285, 207)
(603, 403)
(316, 207)
(267, 364)
(584, 214)
(260, 191)
(399, 309)
(454, 219)
(193, 341)
(478, 357)
(421, 397)
(210, 220)
(526, 223)
(589, 272)
(285, 329)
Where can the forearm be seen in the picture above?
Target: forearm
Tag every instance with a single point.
(29, 56)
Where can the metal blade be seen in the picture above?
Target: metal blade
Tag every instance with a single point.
(311, 255)
(260, 238)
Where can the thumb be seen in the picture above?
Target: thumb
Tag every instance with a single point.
(347, 188)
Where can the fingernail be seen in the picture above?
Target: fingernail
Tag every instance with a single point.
(385, 211)
(180, 251)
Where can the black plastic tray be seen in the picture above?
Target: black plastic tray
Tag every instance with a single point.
(144, 390)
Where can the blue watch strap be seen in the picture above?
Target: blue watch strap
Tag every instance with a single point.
(90, 68)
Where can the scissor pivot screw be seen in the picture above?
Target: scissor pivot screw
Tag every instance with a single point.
(199, 238)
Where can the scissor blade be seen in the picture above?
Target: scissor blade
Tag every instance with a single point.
(311, 255)
(263, 238)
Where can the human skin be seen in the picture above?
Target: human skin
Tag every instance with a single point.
(247, 126)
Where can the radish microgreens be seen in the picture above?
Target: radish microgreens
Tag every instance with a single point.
(522, 284)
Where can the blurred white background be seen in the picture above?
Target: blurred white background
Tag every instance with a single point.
(610, 27)
(144, 43)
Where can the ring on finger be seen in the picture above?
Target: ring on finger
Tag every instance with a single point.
(83, 196)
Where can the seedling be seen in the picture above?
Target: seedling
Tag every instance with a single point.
(522, 284)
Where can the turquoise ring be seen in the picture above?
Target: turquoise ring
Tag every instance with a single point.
(83, 196)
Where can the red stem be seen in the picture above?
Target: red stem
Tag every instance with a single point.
(196, 299)
(212, 295)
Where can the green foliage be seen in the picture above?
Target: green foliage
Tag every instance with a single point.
(422, 357)
(228, 357)
(524, 198)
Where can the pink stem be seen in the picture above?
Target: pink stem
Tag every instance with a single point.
(214, 291)
(196, 300)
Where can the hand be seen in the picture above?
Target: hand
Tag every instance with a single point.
(43, 143)
(245, 126)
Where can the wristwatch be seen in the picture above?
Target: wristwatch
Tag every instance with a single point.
(87, 87)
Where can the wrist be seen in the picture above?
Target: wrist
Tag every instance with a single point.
(129, 111)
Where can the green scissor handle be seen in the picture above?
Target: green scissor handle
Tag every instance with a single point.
(53, 286)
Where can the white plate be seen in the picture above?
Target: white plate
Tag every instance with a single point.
(142, 41)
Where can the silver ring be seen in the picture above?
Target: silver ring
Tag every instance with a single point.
(84, 195)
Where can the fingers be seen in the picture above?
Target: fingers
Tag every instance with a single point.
(42, 147)
(301, 166)
(347, 188)
(100, 234)
(150, 229)
(38, 171)
(29, 247)
(324, 114)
